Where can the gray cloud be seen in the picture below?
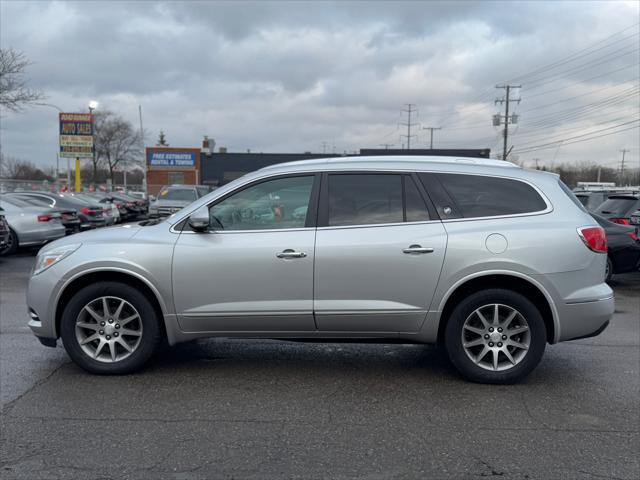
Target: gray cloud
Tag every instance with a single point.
(286, 76)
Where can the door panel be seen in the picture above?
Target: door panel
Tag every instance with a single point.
(254, 271)
(364, 281)
(233, 281)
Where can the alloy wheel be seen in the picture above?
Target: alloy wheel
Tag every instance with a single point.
(496, 337)
(108, 329)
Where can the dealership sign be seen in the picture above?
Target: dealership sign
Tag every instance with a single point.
(76, 135)
(158, 158)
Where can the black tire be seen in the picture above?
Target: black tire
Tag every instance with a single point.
(531, 357)
(151, 332)
(609, 273)
(12, 244)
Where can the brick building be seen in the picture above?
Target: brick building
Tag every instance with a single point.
(170, 165)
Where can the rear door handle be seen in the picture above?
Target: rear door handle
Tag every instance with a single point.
(417, 249)
(288, 253)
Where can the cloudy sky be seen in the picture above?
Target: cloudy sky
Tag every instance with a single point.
(314, 76)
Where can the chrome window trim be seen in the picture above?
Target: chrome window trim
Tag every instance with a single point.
(234, 232)
(376, 225)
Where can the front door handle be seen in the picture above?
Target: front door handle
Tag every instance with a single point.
(288, 253)
(417, 249)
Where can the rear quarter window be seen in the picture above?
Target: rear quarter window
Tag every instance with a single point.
(482, 196)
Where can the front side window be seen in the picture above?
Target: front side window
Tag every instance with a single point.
(364, 199)
(274, 204)
(481, 196)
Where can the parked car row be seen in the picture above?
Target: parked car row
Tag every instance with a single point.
(36, 217)
(614, 205)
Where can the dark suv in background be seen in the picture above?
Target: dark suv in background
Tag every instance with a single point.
(619, 207)
(175, 197)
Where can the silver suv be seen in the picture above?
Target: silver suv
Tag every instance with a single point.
(491, 260)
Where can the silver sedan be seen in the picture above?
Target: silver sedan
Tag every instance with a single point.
(29, 225)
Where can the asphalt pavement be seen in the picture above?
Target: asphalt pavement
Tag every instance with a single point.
(269, 409)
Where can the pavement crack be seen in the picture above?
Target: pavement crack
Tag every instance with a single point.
(9, 406)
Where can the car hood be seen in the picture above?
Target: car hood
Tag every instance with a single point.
(115, 234)
(171, 203)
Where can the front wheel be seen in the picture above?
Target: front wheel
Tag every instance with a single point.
(110, 328)
(495, 336)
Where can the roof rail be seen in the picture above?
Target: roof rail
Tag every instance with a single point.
(400, 158)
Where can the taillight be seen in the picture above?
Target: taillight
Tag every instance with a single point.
(594, 237)
(86, 211)
(634, 236)
(621, 221)
(44, 218)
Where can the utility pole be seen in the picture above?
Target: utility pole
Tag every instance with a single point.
(431, 129)
(409, 110)
(386, 145)
(624, 151)
(513, 119)
(324, 147)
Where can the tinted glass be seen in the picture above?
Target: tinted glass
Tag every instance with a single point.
(35, 200)
(202, 191)
(580, 201)
(618, 206)
(479, 196)
(365, 199)
(274, 204)
(24, 200)
(181, 194)
(415, 208)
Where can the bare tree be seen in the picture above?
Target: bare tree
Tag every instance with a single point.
(117, 142)
(16, 169)
(14, 93)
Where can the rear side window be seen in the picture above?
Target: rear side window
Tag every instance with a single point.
(364, 199)
(480, 196)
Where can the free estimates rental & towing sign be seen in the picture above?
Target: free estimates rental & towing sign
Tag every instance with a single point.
(76, 135)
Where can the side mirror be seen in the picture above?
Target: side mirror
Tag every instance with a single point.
(199, 220)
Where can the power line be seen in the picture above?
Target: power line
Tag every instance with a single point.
(537, 83)
(577, 54)
(590, 92)
(570, 140)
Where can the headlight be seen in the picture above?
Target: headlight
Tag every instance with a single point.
(51, 257)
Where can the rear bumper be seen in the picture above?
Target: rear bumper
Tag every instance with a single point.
(585, 319)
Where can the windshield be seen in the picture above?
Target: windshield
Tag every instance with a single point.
(180, 194)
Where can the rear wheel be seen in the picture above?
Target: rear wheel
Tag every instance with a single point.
(495, 336)
(110, 328)
(12, 244)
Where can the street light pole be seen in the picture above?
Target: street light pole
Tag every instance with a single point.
(51, 105)
(92, 106)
